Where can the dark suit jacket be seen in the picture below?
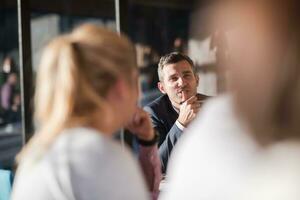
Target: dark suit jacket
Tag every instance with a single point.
(163, 118)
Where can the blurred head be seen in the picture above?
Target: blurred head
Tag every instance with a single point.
(265, 68)
(12, 78)
(84, 79)
(8, 65)
(177, 77)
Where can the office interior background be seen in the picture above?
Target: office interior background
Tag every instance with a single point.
(155, 26)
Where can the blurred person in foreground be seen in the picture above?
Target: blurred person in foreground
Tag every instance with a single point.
(86, 91)
(172, 112)
(274, 174)
(222, 147)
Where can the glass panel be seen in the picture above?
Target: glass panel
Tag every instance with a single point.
(52, 18)
(10, 100)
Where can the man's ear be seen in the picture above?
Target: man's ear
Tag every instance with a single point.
(161, 87)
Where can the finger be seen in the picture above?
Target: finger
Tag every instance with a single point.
(194, 115)
(143, 121)
(191, 100)
(196, 102)
(183, 96)
(137, 119)
(191, 116)
(141, 113)
(196, 110)
(196, 106)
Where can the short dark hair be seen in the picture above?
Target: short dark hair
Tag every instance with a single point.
(172, 58)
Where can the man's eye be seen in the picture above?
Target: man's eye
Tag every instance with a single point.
(173, 78)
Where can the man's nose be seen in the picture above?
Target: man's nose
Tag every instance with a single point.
(181, 81)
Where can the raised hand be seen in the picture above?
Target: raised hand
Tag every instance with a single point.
(188, 109)
(140, 125)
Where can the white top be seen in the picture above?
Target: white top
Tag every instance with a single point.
(211, 158)
(275, 174)
(81, 164)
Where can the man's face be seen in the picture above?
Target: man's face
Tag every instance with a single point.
(179, 82)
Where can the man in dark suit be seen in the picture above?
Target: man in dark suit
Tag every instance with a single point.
(172, 112)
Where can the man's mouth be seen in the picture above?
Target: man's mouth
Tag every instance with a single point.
(181, 91)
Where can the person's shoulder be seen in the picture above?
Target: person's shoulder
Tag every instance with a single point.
(79, 137)
(219, 104)
(91, 156)
(105, 157)
(83, 140)
(217, 119)
(216, 114)
(158, 103)
(90, 149)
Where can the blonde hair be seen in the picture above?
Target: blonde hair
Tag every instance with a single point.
(76, 72)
